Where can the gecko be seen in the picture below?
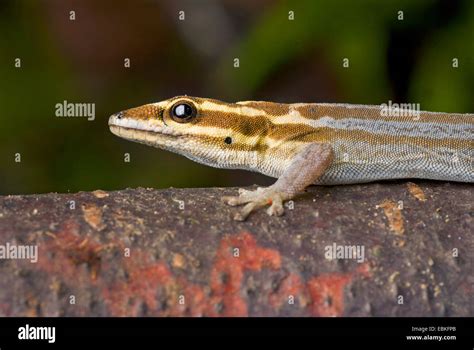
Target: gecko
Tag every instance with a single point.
(304, 144)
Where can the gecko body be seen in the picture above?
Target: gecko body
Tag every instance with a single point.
(305, 143)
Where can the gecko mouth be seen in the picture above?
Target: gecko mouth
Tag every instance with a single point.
(143, 136)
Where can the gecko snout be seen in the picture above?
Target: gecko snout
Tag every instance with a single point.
(115, 117)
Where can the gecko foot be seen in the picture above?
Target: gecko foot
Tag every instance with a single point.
(254, 200)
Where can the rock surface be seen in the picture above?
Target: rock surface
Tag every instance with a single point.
(177, 252)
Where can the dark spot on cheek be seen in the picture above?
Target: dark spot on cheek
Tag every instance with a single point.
(228, 140)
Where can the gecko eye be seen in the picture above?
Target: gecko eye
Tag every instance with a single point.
(183, 112)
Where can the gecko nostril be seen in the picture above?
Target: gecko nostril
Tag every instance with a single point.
(119, 115)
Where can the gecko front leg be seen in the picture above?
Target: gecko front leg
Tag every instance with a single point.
(307, 166)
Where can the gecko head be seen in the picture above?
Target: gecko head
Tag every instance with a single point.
(207, 131)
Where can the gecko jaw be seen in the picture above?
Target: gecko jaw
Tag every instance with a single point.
(148, 131)
(118, 122)
(151, 138)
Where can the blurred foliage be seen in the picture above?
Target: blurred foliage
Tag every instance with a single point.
(435, 82)
(281, 60)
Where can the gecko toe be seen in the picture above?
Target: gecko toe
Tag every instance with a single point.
(239, 217)
(244, 213)
(248, 208)
(231, 200)
(245, 196)
(243, 191)
(236, 200)
(276, 208)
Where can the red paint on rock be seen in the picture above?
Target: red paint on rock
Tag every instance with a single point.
(327, 291)
(68, 251)
(291, 286)
(148, 287)
(228, 271)
(128, 297)
(147, 279)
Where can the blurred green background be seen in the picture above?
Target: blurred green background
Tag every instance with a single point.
(300, 60)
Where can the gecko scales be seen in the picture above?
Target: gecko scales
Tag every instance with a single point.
(304, 143)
